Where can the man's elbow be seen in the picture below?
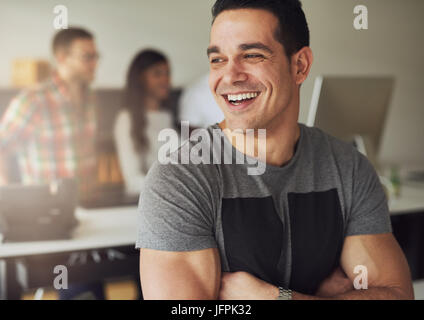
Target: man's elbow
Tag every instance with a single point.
(174, 293)
(177, 288)
(402, 293)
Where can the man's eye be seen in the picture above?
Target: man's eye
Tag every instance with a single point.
(253, 56)
(216, 60)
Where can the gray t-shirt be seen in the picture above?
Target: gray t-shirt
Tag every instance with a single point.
(286, 226)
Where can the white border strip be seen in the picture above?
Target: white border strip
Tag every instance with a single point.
(314, 101)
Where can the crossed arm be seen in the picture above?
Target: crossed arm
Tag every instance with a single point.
(196, 274)
(387, 269)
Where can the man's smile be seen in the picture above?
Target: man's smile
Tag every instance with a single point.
(240, 100)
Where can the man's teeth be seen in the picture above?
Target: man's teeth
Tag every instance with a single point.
(243, 96)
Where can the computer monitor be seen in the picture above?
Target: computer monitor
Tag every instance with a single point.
(352, 109)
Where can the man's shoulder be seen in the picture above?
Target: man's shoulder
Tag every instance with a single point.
(181, 160)
(319, 138)
(326, 145)
(37, 92)
(175, 167)
(348, 160)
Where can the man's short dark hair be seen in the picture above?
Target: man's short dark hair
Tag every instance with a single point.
(64, 38)
(293, 31)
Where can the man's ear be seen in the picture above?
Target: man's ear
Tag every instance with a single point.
(302, 63)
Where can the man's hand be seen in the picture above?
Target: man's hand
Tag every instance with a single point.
(3, 173)
(337, 283)
(244, 286)
(3, 180)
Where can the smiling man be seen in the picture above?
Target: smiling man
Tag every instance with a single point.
(299, 230)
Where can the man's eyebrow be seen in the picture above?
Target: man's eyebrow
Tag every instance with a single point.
(255, 45)
(212, 49)
(243, 47)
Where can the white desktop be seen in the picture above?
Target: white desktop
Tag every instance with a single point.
(352, 109)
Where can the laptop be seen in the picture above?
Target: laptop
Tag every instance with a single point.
(38, 212)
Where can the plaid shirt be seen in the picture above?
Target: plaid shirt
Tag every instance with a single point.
(50, 137)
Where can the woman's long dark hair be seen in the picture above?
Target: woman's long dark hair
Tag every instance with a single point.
(135, 94)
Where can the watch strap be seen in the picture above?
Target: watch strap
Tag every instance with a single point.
(284, 294)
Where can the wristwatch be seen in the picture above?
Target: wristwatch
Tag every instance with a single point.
(285, 294)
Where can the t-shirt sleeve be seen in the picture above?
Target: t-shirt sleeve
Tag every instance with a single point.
(175, 210)
(369, 210)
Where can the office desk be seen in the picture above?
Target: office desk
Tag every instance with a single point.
(99, 230)
(411, 200)
(419, 290)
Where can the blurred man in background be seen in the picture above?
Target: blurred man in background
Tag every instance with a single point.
(50, 129)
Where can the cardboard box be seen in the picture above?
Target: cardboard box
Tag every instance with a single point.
(27, 72)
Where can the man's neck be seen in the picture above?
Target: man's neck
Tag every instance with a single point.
(77, 90)
(281, 138)
(281, 142)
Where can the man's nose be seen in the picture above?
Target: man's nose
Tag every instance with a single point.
(234, 72)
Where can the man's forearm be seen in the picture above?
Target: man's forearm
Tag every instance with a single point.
(376, 293)
(363, 294)
(244, 286)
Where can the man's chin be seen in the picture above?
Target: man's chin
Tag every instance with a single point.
(88, 78)
(239, 124)
(83, 81)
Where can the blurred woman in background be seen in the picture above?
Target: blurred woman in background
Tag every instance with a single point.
(144, 115)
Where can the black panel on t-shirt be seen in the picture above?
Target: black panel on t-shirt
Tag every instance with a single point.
(253, 237)
(316, 226)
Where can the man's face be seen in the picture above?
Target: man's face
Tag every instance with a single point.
(250, 74)
(80, 60)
